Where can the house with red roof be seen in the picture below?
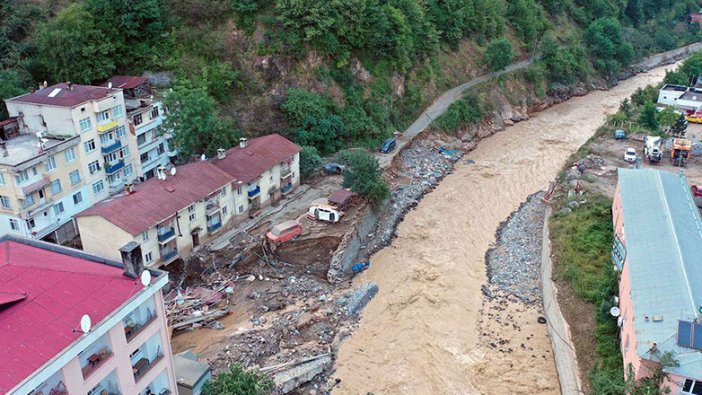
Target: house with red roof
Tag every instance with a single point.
(75, 323)
(172, 215)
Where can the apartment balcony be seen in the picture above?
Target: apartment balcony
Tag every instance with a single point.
(253, 193)
(286, 189)
(166, 234)
(38, 206)
(212, 207)
(95, 361)
(35, 186)
(285, 171)
(214, 226)
(144, 365)
(132, 328)
(111, 147)
(105, 126)
(113, 167)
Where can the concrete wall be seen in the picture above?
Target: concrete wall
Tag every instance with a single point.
(349, 250)
(101, 237)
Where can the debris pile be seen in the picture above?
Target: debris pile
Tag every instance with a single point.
(514, 264)
(196, 307)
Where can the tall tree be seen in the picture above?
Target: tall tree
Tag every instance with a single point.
(71, 47)
(11, 85)
(499, 54)
(196, 127)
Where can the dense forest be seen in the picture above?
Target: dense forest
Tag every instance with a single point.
(326, 73)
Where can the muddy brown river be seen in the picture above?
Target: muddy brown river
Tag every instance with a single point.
(420, 334)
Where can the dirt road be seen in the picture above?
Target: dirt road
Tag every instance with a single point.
(421, 334)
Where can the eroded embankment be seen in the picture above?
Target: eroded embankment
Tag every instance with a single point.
(420, 334)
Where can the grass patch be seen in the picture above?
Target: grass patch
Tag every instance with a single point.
(582, 241)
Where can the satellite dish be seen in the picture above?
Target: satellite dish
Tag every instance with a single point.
(85, 323)
(614, 311)
(203, 157)
(146, 278)
(173, 171)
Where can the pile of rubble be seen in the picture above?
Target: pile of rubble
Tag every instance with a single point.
(425, 164)
(514, 264)
(195, 307)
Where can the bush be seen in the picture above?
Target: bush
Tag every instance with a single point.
(310, 162)
(314, 121)
(363, 176)
(469, 109)
(499, 54)
(648, 118)
(607, 45)
(237, 381)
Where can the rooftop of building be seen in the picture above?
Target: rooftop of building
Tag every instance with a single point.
(65, 95)
(663, 235)
(260, 154)
(692, 95)
(154, 201)
(45, 289)
(26, 147)
(673, 87)
(189, 372)
(126, 81)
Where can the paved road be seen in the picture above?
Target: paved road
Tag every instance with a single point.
(441, 104)
(558, 330)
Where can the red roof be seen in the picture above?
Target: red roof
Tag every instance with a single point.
(59, 288)
(157, 200)
(8, 121)
(126, 81)
(78, 94)
(261, 154)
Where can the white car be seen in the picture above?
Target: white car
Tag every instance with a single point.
(324, 213)
(630, 155)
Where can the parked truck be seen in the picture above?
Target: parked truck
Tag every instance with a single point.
(680, 152)
(653, 149)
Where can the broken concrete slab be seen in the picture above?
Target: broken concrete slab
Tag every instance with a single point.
(357, 299)
(289, 380)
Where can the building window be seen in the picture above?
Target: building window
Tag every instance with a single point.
(145, 235)
(117, 111)
(137, 120)
(148, 257)
(2, 179)
(89, 146)
(128, 171)
(241, 209)
(154, 112)
(192, 217)
(160, 149)
(141, 139)
(14, 224)
(98, 187)
(238, 191)
(223, 192)
(270, 179)
(103, 116)
(77, 198)
(5, 201)
(55, 186)
(58, 208)
(28, 201)
(75, 177)
(84, 124)
(70, 155)
(93, 166)
(50, 163)
(120, 131)
(21, 176)
(125, 152)
(106, 138)
(692, 387)
(224, 210)
(191, 208)
(30, 223)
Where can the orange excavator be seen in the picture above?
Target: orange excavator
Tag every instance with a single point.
(680, 152)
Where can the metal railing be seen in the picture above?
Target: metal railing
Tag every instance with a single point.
(165, 235)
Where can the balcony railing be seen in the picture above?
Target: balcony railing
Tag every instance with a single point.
(132, 329)
(103, 127)
(164, 235)
(212, 227)
(110, 147)
(212, 207)
(114, 166)
(143, 366)
(285, 171)
(95, 361)
(167, 255)
(286, 188)
(254, 192)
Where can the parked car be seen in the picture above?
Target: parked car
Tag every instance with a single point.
(324, 213)
(696, 190)
(388, 145)
(619, 134)
(284, 232)
(333, 168)
(630, 155)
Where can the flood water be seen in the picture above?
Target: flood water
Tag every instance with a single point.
(420, 335)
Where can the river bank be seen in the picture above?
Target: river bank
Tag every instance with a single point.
(420, 335)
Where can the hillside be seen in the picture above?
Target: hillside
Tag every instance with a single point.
(331, 74)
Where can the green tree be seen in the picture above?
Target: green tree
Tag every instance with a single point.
(218, 78)
(363, 176)
(499, 54)
(314, 121)
(667, 117)
(679, 127)
(625, 107)
(11, 85)
(528, 20)
(607, 45)
(193, 119)
(647, 118)
(237, 381)
(310, 162)
(71, 47)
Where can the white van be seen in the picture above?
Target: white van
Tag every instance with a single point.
(324, 213)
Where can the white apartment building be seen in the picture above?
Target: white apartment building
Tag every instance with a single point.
(145, 115)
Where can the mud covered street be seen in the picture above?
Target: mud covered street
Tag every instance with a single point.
(422, 333)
